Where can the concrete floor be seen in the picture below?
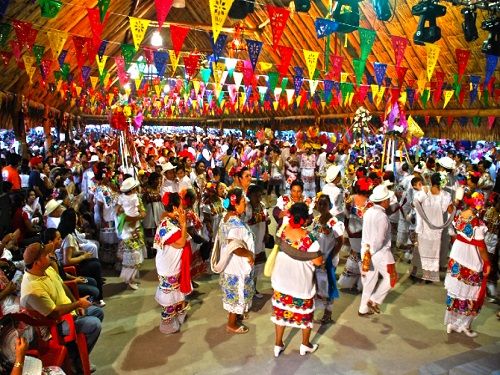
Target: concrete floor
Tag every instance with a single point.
(405, 338)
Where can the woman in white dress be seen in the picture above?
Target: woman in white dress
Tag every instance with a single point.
(307, 172)
(292, 280)
(328, 231)
(173, 255)
(237, 249)
(431, 208)
(468, 269)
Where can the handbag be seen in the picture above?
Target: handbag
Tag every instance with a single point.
(322, 283)
(271, 260)
(269, 242)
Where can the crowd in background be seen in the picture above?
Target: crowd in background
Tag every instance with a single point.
(204, 203)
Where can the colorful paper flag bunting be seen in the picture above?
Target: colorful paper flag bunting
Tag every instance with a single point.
(366, 40)
(325, 27)
(217, 46)
(103, 6)
(432, 58)
(57, 39)
(447, 96)
(162, 10)
(399, 44)
(101, 63)
(286, 56)
(178, 35)
(128, 53)
(491, 64)
(462, 56)
(50, 8)
(174, 59)
(380, 70)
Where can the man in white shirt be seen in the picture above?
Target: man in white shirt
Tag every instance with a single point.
(376, 240)
(170, 183)
(335, 193)
(88, 178)
(321, 164)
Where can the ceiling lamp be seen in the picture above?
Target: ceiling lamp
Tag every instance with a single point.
(491, 46)
(429, 11)
(179, 4)
(156, 39)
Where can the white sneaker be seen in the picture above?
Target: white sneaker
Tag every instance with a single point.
(304, 349)
(100, 303)
(278, 350)
(133, 286)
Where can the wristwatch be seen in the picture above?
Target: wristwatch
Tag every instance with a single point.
(18, 364)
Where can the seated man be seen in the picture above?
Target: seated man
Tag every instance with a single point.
(43, 290)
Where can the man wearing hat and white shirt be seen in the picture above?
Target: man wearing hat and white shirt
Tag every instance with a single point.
(53, 212)
(376, 240)
(88, 176)
(334, 192)
(170, 183)
(43, 290)
(321, 164)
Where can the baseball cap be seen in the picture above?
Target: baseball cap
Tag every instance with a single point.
(35, 251)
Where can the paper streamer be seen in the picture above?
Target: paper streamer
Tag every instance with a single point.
(432, 58)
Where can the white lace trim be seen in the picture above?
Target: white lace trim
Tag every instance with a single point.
(460, 290)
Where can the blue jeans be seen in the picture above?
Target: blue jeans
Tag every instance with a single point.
(89, 325)
(89, 289)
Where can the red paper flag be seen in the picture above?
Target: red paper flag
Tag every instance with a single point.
(79, 42)
(362, 92)
(427, 119)
(96, 26)
(401, 72)
(92, 48)
(462, 60)
(449, 120)
(25, 33)
(191, 64)
(162, 10)
(278, 17)
(399, 44)
(149, 55)
(45, 65)
(178, 35)
(491, 122)
(395, 93)
(286, 56)
(438, 87)
(336, 66)
(463, 90)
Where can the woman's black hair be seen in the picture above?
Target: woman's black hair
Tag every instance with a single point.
(190, 196)
(48, 235)
(299, 211)
(239, 172)
(174, 201)
(67, 225)
(254, 189)
(238, 193)
(436, 179)
(298, 183)
(153, 177)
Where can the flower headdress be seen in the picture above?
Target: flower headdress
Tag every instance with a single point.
(475, 201)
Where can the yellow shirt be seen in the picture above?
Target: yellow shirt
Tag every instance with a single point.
(43, 293)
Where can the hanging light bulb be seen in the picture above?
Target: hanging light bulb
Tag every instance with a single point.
(156, 39)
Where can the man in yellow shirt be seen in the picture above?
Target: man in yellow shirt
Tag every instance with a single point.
(43, 290)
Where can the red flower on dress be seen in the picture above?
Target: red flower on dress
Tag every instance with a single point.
(286, 199)
(287, 300)
(306, 242)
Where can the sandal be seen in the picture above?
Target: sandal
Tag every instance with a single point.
(239, 331)
(373, 307)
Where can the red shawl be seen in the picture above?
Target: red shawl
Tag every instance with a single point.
(185, 279)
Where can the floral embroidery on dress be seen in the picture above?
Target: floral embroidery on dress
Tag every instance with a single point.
(165, 229)
(193, 219)
(464, 274)
(303, 244)
(466, 226)
(169, 283)
(169, 312)
(466, 307)
(290, 302)
(360, 211)
(325, 229)
(258, 216)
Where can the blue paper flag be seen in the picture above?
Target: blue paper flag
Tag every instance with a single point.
(62, 57)
(254, 48)
(328, 88)
(491, 64)
(410, 95)
(160, 59)
(298, 71)
(379, 69)
(3, 7)
(102, 48)
(474, 80)
(325, 27)
(297, 83)
(218, 46)
(85, 73)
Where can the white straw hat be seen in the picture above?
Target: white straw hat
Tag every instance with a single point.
(51, 206)
(381, 193)
(331, 173)
(129, 184)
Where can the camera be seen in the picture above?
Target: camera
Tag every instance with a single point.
(428, 10)
(491, 46)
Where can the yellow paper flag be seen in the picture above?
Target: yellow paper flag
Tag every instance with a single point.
(157, 90)
(110, 98)
(447, 96)
(196, 86)
(351, 96)
(101, 63)
(138, 82)
(421, 85)
(31, 72)
(93, 81)
(59, 84)
(265, 66)
(106, 80)
(138, 27)
(374, 88)
(219, 10)
(380, 95)
(311, 61)
(174, 59)
(402, 98)
(78, 90)
(57, 39)
(343, 77)
(275, 105)
(289, 95)
(217, 69)
(438, 119)
(432, 58)
(28, 62)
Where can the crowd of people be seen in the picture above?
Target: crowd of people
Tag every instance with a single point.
(204, 205)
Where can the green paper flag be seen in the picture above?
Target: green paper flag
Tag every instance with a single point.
(103, 6)
(65, 69)
(272, 80)
(38, 51)
(49, 8)
(486, 98)
(366, 39)
(57, 75)
(102, 76)
(476, 120)
(425, 97)
(284, 82)
(316, 74)
(359, 69)
(205, 75)
(128, 53)
(5, 30)
(141, 66)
